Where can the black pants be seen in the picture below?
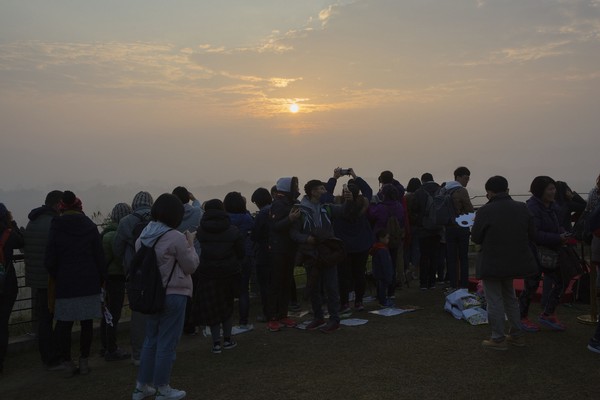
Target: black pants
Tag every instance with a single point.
(115, 295)
(282, 273)
(47, 345)
(7, 301)
(428, 264)
(263, 275)
(552, 297)
(351, 276)
(63, 334)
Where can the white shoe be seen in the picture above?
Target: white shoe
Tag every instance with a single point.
(143, 392)
(168, 393)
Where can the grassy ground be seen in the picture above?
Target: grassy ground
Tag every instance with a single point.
(420, 355)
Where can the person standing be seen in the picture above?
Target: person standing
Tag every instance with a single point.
(114, 287)
(10, 239)
(75, 260)
(308, 231)
(457, 237)
(504, 228)
(124, 248)
(36, 276)
(282, 249)
(177, 260)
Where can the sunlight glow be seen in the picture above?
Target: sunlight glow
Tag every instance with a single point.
(294, 108)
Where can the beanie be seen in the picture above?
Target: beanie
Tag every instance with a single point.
(119, 211)
(142, 200)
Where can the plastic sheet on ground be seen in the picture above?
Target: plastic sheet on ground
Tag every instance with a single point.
(236, 330)
(391, 311)
(353, 322)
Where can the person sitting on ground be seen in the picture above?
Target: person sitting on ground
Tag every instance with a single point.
(382, 266)
(504, 228)
(222, 252)
(177, 260)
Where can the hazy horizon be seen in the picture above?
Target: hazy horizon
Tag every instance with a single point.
(201, 93)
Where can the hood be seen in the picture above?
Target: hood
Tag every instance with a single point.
(431, 187)
(142, 200)
(244, 221)
(152, 232)
(315, 213)
(286, 185)
(43, 210)
(215, 221)
(452, 185)
(74, 223)
(110, 226)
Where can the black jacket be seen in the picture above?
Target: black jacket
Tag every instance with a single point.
(36, 239)
(222, 246)
(280, 225)
(74, 256)
(14, 241)
(504, 229)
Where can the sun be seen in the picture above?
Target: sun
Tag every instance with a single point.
(294, 108)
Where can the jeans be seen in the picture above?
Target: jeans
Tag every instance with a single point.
(501, 300)
(552, 296)
(430, 254)
(63, 334)
(381, 290)
(47, 345)
(327, 280)
(137, 332)
(457, 257)
(115, 294)
(163, 331)
(244, 304)
(215, 330)
(351, 274)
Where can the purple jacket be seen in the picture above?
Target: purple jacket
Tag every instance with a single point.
(379, 213)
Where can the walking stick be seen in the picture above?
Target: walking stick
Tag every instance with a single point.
(592, 317)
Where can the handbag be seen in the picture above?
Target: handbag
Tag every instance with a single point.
(570, 263)
(548, 258)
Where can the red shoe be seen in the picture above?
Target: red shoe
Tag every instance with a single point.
(331, 327)
(315, 324)
(529, 326)
(552, 321)
(274, 326)
(288, 322)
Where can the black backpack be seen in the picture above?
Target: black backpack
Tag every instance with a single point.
(439, 209)
(145, 289)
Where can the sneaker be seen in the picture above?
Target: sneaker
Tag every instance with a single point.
(359, 306)
(117, 355)
(274, 326)
(143, 392)
(387, 303)
(261, 318)
(423, 288)
(229, 344)
(294, 307)
(345, 308)
(331, 327)
(494, 345)
(315, 324)
(518, 341)
(594, 345)
(529, 326)
(70, 370)
(168, 393)
(216, 349)
(288, 322)
(552, 322)
(84, 367)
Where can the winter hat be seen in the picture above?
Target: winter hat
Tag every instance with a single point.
(119, 211)
(284, 185)
(142, 200)
(3, 211)
(70, 202)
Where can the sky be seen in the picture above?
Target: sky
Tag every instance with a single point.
(199, 92)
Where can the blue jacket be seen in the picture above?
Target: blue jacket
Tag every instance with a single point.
(245, 224)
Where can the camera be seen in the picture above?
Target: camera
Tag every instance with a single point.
(345, 171)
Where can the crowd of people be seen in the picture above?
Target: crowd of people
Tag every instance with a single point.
(208, 254)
